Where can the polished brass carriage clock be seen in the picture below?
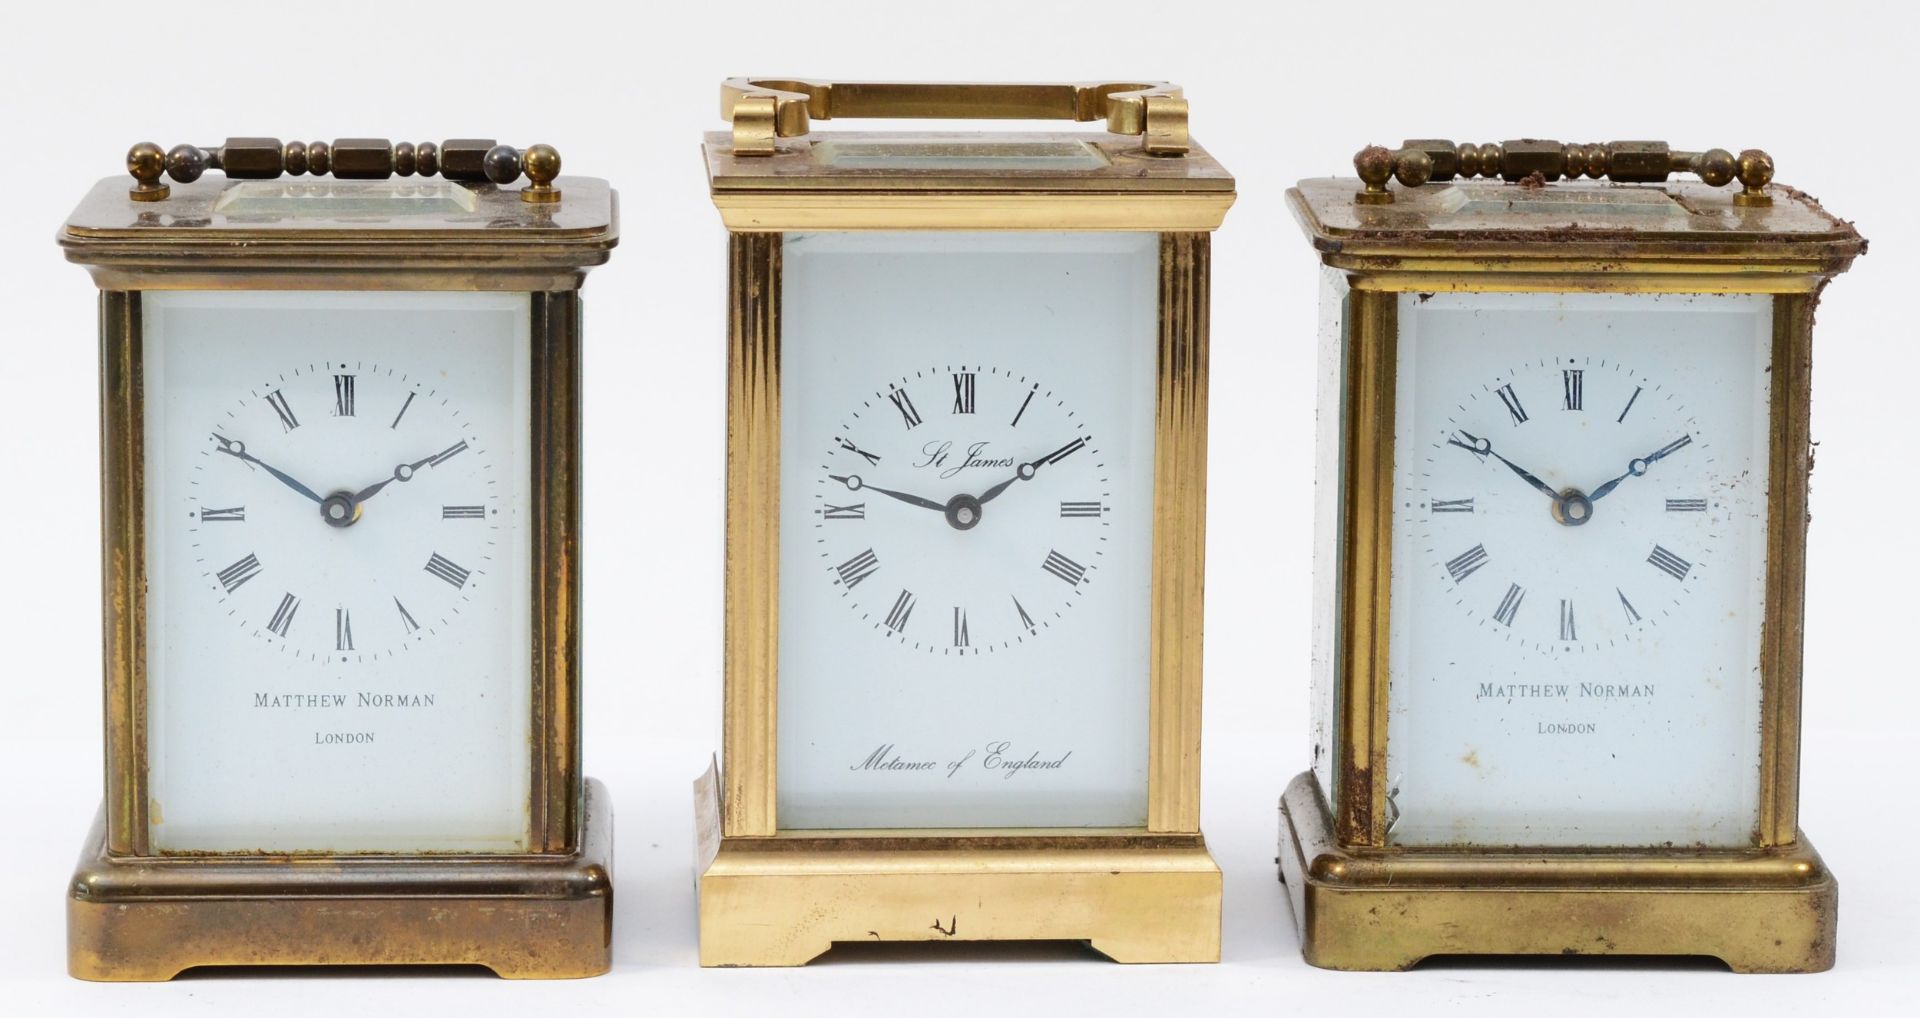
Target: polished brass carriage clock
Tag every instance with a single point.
(966, 469)
(1561, 538)
(341, 473)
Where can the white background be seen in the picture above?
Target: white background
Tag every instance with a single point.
(624, 92)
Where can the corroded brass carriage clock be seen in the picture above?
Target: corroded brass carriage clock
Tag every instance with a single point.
(341, 434)
(966, 471)
(1561, 538)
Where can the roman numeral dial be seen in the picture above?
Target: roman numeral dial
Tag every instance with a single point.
(1564, 505)
(345, 512)
(953, 488)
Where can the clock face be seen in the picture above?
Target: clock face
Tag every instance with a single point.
(966, 529)
(361, 570)
(1579, 538)
(941, 526)
(337, 570)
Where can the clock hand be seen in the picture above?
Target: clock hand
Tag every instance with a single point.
(1639, 466)
(1027, 470)
(1484, 447)
(854, 483)
(238, 450)
(403, 472)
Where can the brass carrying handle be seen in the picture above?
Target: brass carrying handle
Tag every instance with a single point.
(1627, 162)
(463, 159)
(762, 110)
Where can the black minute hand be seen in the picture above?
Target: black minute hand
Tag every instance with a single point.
(1484, 447)
(854, 483)
(238, 450)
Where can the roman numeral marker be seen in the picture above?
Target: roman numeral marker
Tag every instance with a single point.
(278, 402)
(1627, 606)
(856, 511)
(959, 627)
(405, 618)
(342, 629)
(463, 512)
(1571, 380)
(236, 514)
(857, 568)
(1023, 405)
(871, 459)
(283, 616)
(1514, 409)
(343, 395)
(1451, 505)
(1509, 605)
(1025, 619)
(443, 567)
(1686, 505)
(963, 392)
(902, 610)
(1566, 620)
(1669, 563)
(237, 574)
(1629, 406)
(1082, 510)
(403, 411)
(904, 403)
(448, 453)
(1464, 564)
(1065, 568)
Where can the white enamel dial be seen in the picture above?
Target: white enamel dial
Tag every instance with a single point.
(923, 532)
(337, 563)
(966, 528)
(1593, 483)
(1579, 539)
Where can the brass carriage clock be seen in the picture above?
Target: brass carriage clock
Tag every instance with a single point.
(966, 470)
(1561, 539)
(340, 437)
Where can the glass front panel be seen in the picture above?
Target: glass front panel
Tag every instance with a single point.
(967, 440)
(1578, 569)
(338, 650)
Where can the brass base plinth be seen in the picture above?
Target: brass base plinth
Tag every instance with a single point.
(524, 917)
(786, 900)
(1385, 910)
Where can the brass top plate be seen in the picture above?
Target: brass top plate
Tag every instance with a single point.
(1681, 221)
(219, 223)
(1029, 162)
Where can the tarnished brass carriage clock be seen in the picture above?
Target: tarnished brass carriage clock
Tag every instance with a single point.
(1561, 523)
(966, 471)
(341, 474)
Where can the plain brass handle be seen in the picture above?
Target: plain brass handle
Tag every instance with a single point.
(762, 110)
(466, 159)
(1628, 162)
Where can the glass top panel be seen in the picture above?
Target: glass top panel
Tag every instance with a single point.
(916, 152)
(344, 199)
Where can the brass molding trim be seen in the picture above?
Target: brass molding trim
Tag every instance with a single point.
(1369, 359)
(749, 731)
(1179, 536)
(847, 209)
(1758, 910)
(1790, 463)
(525, 916)
(123, 566)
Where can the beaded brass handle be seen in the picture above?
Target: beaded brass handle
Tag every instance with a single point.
(763, 109)
(1628, 162)
(465, 159)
